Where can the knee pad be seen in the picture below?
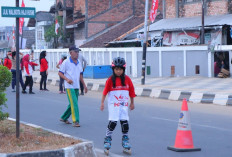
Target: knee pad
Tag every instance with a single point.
(112, 125)
(125, 126)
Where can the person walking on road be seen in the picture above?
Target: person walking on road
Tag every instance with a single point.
(12, 57)
(83, 62)
(43, 70)
(120, 89)
(61, 84)
(70, 71)
(27, 65)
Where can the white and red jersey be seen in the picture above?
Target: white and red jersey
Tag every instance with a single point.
(119, 98)
(28, 70)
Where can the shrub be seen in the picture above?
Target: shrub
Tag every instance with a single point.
(5, 80)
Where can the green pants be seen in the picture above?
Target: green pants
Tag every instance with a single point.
(73, 105)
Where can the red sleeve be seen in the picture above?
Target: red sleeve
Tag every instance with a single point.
(26, 68)
(131, 88)
(44, 63)
(108, 86)
(34, 64)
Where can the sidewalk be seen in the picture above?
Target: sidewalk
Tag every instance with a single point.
(195, 89)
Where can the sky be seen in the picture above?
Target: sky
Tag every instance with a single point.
(41, 5)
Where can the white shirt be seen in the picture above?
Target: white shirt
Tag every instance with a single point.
(72, 72)
(29, 69)
(118, 102)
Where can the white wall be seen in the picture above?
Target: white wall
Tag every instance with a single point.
(104, 56)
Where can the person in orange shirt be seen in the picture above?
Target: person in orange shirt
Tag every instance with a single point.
(43, 70)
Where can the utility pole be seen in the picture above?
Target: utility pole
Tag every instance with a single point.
(17, 77)
(203, 23)
(64, 20)
(144, 44)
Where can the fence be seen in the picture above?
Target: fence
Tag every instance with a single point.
(161, 61)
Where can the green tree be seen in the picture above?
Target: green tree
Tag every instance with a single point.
(5, 80)
(50, 33)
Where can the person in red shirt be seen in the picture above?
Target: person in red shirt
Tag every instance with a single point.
(43, 70)
(7, 63)
(120, 90)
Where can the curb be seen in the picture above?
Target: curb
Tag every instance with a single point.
(83, 149)
(194, 97)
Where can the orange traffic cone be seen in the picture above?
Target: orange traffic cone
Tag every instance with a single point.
(184, 139)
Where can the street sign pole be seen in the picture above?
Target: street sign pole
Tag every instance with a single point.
(17, 77)
(144, 44)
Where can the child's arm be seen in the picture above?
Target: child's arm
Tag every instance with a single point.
(102, 102)
(132, 106)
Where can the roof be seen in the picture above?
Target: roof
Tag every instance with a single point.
(40, 16)
(115, 32)
(75, 22)
(190, 22)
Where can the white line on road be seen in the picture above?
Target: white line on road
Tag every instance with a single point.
(206, 126)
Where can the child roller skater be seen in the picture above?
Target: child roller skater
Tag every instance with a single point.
(120, 89)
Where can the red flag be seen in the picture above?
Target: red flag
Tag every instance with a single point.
(21, 21)
(57, 27)
(154, 9)
(13, 40)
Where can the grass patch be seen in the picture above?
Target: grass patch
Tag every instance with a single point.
(31, 139)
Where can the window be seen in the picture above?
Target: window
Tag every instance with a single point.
(39, 33)
(197, 69)
(189, 1)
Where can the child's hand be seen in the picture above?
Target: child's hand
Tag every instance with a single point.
(132, 106)
(102, 106)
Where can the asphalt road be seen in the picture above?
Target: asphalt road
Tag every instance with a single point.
(153, 123)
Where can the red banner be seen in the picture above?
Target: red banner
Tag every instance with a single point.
(154, 8)
(21, 21)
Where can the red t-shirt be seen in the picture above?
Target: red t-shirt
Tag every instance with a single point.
(43, 65)
(7, 63)
(118, 86)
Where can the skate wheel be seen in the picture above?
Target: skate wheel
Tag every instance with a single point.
(127, 151)
(106, 151)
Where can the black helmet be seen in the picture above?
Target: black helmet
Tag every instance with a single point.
(119, 62)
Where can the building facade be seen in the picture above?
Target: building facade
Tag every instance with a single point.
(184, 20)
(92, 18)
(41, 23)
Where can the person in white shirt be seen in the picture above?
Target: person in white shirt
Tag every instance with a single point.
(70, 71)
